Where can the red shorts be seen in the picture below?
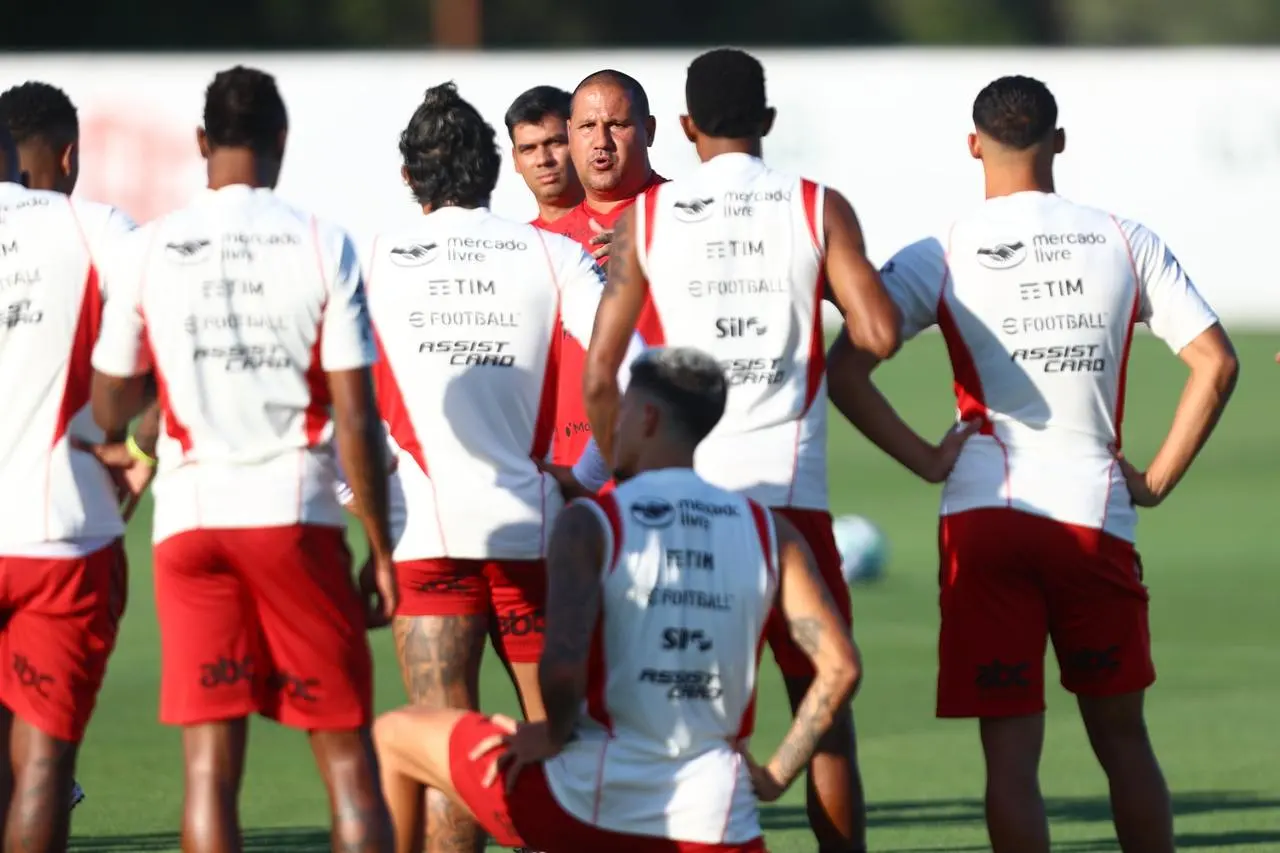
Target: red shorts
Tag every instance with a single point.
(529, 816)
(60, 617)
(265, 621)
(512, 592)
(815, 526)
(1009, 581)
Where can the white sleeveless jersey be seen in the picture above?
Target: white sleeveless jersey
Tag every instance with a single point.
(241, 304)
(1037, 298)
(734, 257)
(56, 501)
(687, 586)
(468, 310)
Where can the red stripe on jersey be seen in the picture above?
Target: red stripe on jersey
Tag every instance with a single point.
(75, 393)
(809, 194)
(1128, 335)
(545, 425)
(392, 408)
(967, 382)
(318, 396)
(761, 517)
(173, 427)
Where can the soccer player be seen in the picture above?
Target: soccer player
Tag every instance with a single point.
(736, 259)
(251, 315)
(659, 596)
(467, 309)
(538, 124)
(610, 133)
(1037, 298)
(62, 564)
(46, 131)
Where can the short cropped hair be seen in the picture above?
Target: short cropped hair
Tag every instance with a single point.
(35, 110)
(724, 91)
(243, 109)
(450, 152)
(630, 85)
(690, 384)
(533, 106)
(1018, 112)
(9, 170)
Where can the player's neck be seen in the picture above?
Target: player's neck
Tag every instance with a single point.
(660, 459)
(709, 148)
(229, 167)
(617, 199)
(556, 210)
(1022, 179)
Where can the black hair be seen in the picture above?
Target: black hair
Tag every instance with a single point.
(449, 151)
(9, 170)
(533, 106)
(630, 85)
(724, 91)
(35, 110)
(689, 383)
(1018, 112)
(243, 109)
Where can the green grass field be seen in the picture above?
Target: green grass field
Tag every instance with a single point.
(1211, 564)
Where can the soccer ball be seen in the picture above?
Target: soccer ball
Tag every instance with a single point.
(864, 552)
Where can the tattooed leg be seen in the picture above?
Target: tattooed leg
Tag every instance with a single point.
(361, 822)
(440, 662)
(39, 816)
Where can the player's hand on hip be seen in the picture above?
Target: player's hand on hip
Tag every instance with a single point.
(522, 744)
(948, 450)
(766, 787)
(1140, 491)
(379, 590)
(130, 474)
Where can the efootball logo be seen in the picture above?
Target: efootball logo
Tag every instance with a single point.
(415, 254)
(1002, 256)
(695, 209)
(187, 251)
(653, 512)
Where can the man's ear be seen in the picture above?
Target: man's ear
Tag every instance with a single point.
(650, 128)
(202, 141)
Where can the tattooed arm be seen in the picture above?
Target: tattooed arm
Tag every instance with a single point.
(616, 318)
(817, 629)
(575, 558)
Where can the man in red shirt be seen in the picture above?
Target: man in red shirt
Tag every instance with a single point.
(538, 124)
(610, 131)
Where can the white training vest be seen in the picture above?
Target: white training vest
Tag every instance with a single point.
(468, 310)
(688, 583)
(734, 257)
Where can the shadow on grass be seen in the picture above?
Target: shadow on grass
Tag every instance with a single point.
(286, 839)
(1061, 810)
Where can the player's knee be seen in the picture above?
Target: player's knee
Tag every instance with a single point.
(1012, 746)
(46, 756)
(389, 734)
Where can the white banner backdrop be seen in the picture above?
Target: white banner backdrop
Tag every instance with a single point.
(1186, 141)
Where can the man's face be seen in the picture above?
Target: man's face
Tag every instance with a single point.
(608, 143)
(541, 155)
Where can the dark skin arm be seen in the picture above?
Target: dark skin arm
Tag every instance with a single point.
(872, 321)
(616, 318)
(575, 556)
(117, 400)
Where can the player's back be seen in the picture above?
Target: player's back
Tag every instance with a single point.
(468, 309)
(234, 292)
(51, 298)
(1038, 298)
(734, 256)
(685, 596)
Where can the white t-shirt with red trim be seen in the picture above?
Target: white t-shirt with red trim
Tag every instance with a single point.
(689, 577)
(241, 304)
(56, 501)
(469, 309)
(1037, 298)
(734, 256)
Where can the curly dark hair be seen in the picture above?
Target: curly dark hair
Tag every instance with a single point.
(35, 110)
(450, 152)
(243, 109)
(724, 91)
(1018, 112)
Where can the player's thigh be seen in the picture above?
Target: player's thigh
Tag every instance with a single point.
(518, 596)
(212, 660)
(440, 629)
(994, 623)
(1098, 613)
(815, 527)
(62, 629)
(312, 616)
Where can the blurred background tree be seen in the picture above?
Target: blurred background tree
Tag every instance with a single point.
(298, 24)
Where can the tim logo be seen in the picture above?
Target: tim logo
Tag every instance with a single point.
(187, 251)
(1002, 256)
(653, 512)
(694, 210)
(415, 254)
